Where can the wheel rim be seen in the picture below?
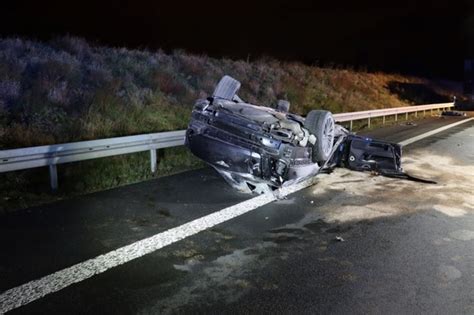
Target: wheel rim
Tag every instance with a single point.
(328, 136)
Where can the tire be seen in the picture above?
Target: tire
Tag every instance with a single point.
(283, 106)
(321, 124)
(227, 88)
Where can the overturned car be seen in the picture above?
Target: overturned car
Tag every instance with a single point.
(258, 148)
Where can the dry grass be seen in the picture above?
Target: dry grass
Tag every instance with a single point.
(67, 90)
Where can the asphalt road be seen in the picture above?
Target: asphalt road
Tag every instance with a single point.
(407, 247)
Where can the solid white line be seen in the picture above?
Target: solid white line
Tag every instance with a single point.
(36, 289)
(33, 290)
(432, 132)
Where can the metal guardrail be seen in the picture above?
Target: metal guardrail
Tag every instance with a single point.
(368, 114)
(52, 155)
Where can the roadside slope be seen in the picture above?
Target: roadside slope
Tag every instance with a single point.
(69, 90)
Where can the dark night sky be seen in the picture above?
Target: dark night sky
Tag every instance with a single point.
(419, 37)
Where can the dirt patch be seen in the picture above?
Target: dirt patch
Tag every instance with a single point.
(384, 197)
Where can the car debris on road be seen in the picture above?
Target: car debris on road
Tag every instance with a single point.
(260, 149)
(453, 113)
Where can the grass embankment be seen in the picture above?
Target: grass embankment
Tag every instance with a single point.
(68, 90)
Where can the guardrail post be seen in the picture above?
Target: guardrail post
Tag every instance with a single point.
(424, 113)
(406, 116)
(368, 122)
(53, 177)
(416, 114)
(383, 120)
(350, 125)
(396, 117)
(153, 160)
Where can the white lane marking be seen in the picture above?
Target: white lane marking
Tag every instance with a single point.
(432, 132)
(36, 289)
(33, 290)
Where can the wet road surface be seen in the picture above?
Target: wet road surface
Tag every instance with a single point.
(352, 243)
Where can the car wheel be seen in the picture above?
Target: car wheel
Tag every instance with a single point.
(226, 88)
(321, 124)
(283, 106)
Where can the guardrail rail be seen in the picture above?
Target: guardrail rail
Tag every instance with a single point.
(52, 155)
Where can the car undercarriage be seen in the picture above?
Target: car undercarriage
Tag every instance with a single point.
(258, 148)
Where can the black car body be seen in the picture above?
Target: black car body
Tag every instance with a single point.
(257, 148)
